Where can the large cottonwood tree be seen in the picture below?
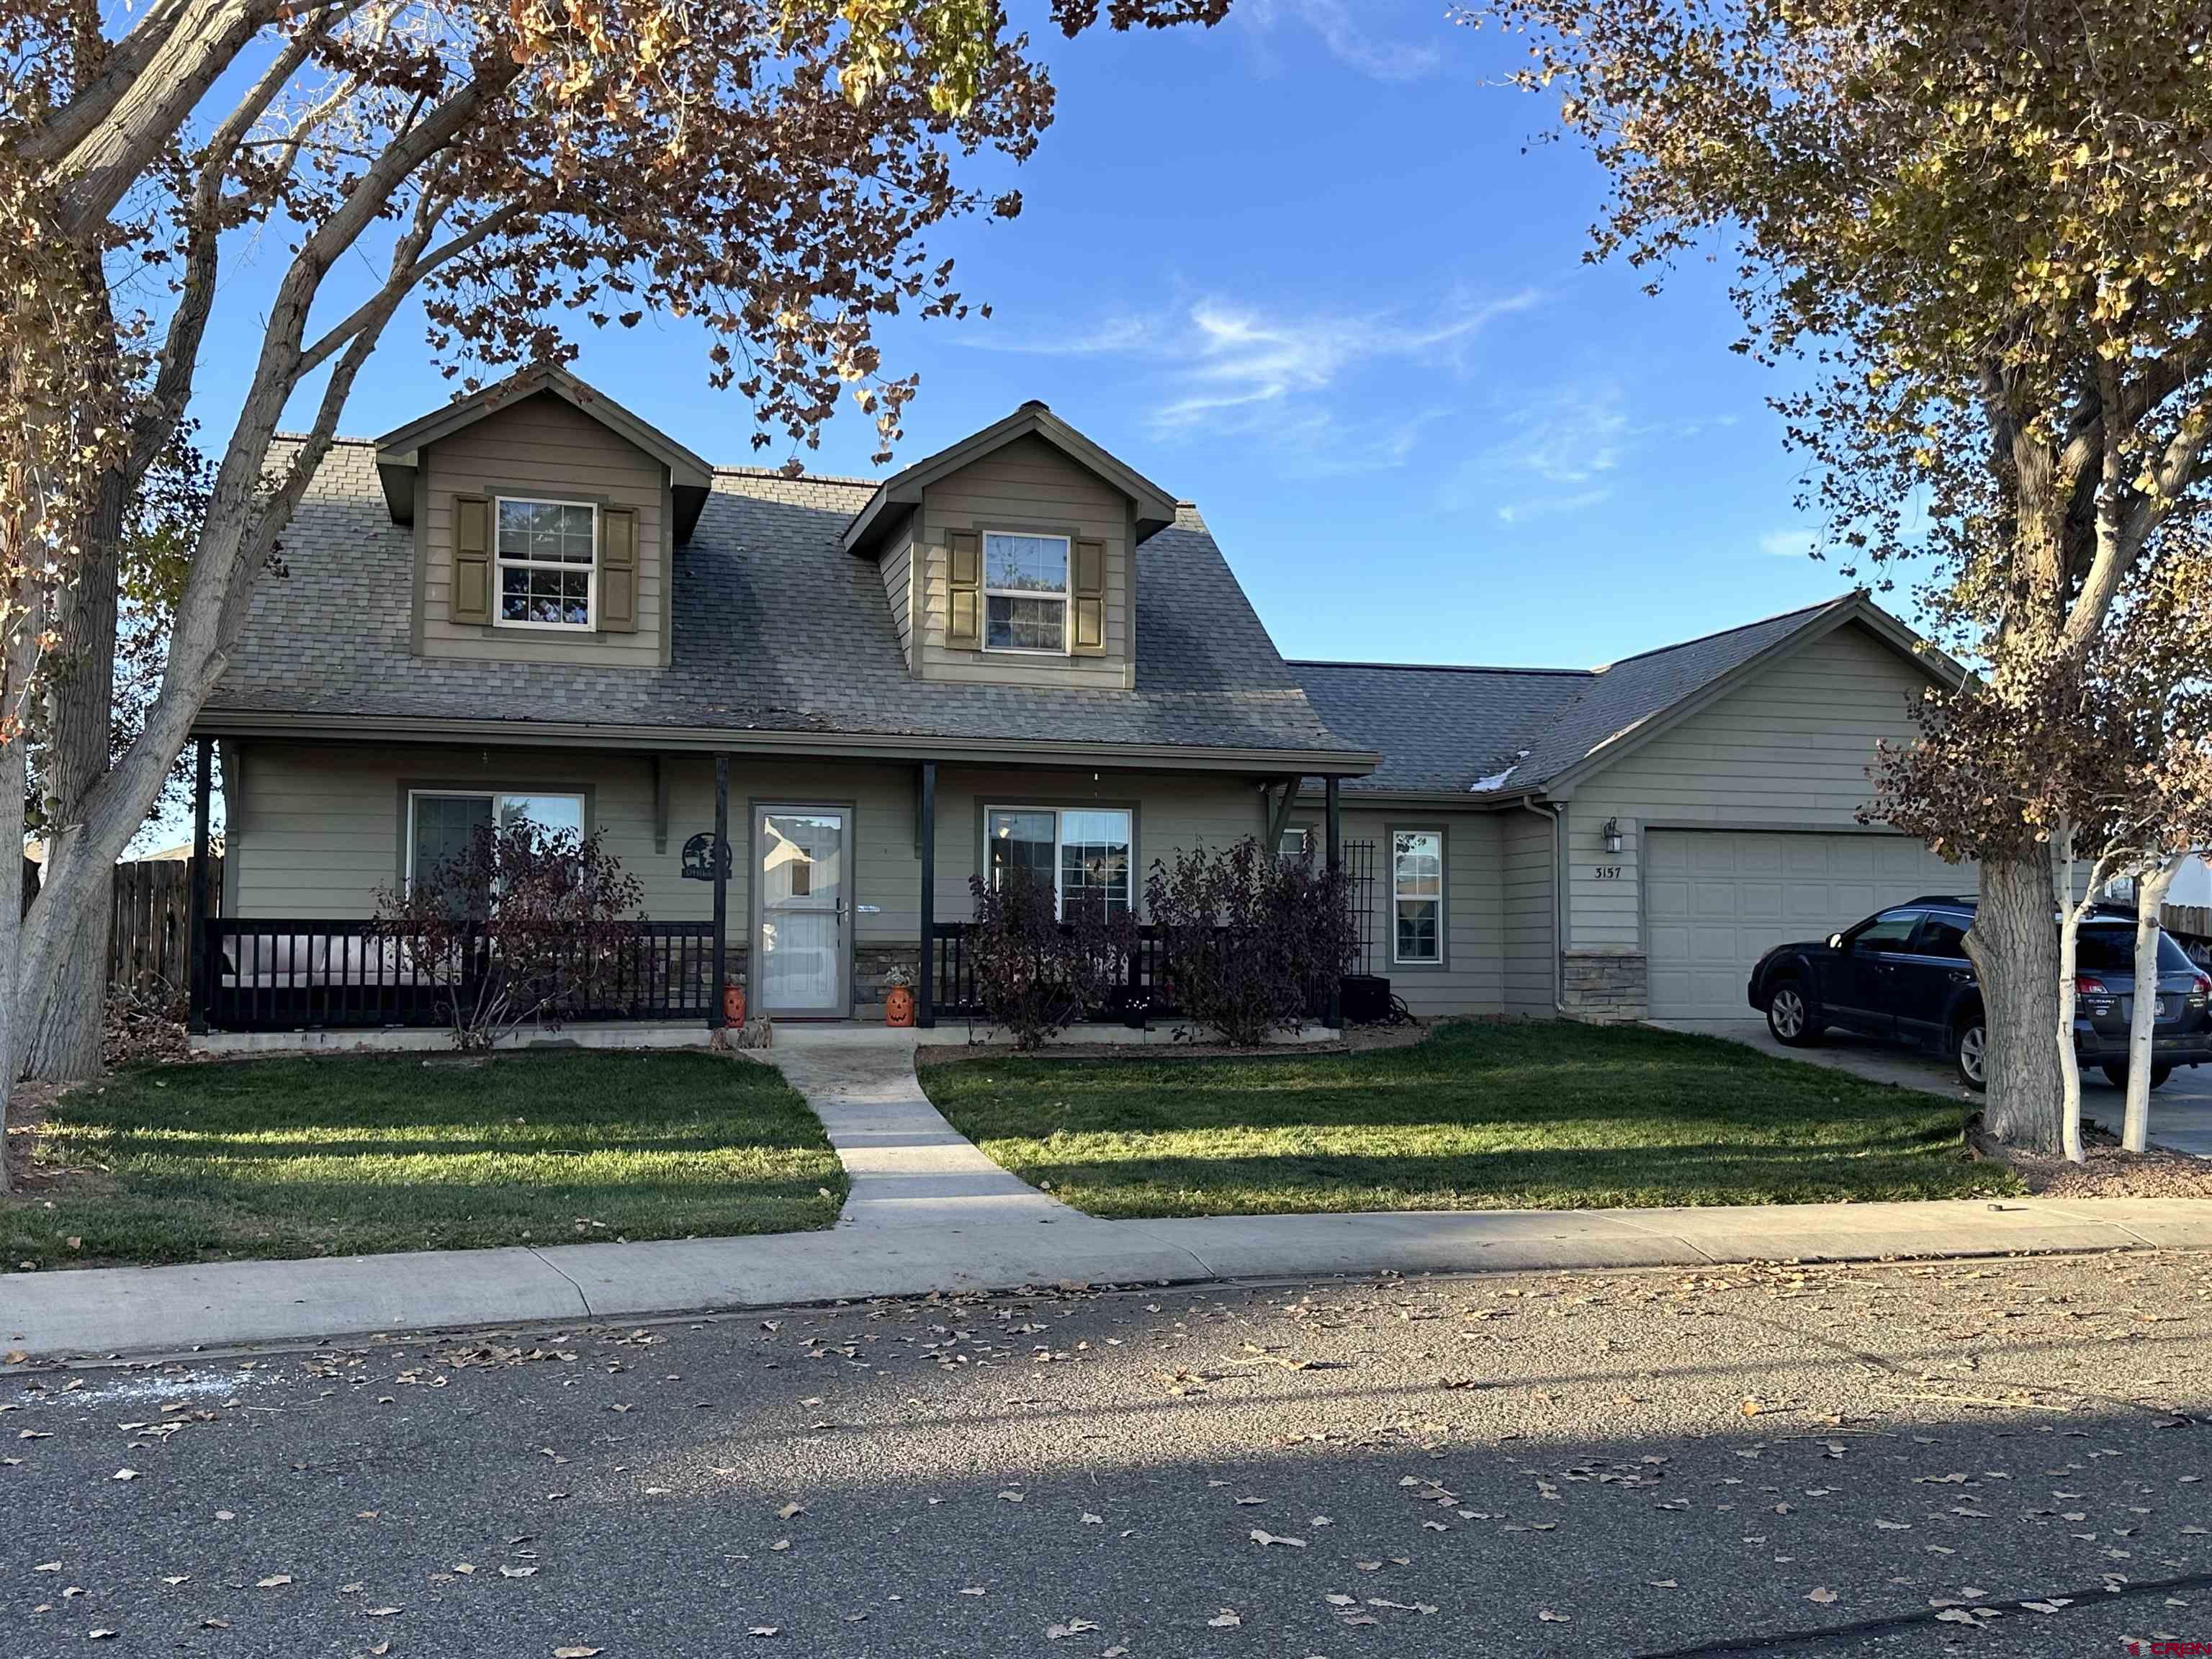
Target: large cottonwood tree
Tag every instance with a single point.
(1984, 231)
(765, 168)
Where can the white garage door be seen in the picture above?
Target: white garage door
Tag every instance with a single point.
(1716, 900)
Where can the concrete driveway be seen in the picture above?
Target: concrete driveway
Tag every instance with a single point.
(2180, 1113)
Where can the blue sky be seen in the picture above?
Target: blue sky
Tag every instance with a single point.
(1311, 273)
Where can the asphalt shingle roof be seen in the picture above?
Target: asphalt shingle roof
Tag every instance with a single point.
(776, 628)
(1450, 730)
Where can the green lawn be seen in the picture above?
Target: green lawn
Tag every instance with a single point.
(330, 1156)
(1476, 1116)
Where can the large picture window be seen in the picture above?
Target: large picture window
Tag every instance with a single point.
(1085, 853)
(1025, 592)
(547, 557)
(442, 823)
(1417, 893)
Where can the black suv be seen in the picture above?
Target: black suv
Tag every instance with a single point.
(1905, 974)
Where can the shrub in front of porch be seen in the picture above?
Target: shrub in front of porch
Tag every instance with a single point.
(1250, 942)
(348, 1153)
(1038, 972)
(522, 926)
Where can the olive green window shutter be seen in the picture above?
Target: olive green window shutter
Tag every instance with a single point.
(618, 569)
(963, 590)
(1090, 596)
(470, 600)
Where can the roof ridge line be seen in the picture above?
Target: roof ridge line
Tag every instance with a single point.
(1435, 667)
(1736, 627)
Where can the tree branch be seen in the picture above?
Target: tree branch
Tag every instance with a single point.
(314, 356)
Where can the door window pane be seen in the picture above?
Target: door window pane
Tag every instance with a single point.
(1416, 875)
(1942, 936)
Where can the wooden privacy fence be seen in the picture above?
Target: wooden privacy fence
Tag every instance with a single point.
(148, 942)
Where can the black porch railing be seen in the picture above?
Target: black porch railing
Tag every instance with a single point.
(288, 974)
(1140, 992)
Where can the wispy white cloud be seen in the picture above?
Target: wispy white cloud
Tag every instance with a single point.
(1566, 452)
(1113, 336)
(1286, 379)
(1235, 356)
(1350, 36)
(1796, 543)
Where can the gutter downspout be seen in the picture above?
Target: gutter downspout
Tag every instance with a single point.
(1558, 817)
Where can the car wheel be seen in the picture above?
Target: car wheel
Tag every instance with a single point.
(1791, 1017)
(1973, 1054)
(2117, 1076)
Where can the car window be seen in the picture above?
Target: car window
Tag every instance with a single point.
(1942, 936)
(2113, 951)
(1890, 931)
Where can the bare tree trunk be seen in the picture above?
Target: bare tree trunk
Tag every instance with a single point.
(2069, 940)
(12, 782)
(2015, 945)
(64, 1045)
(2150, 898)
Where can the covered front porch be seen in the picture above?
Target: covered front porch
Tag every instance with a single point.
(807, 878)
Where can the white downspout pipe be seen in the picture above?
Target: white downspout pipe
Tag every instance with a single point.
(1557, 815)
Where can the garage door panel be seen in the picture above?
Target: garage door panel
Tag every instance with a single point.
(1730, 895)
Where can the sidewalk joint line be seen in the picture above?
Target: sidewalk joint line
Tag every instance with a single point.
(586, 1301)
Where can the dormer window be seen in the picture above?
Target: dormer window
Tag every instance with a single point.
(1025, 592)
(547, 557)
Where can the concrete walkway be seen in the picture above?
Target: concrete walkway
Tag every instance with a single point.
(109, 1310)
(908, 1167)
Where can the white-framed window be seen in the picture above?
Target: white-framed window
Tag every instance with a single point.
(1025, 592)
(442, 823)
(545, 560)
(1297, 842)
(1083, 852)
(1417, 897)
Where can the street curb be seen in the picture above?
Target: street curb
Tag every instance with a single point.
(108, 1312)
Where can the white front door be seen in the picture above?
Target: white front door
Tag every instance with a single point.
(799, 954)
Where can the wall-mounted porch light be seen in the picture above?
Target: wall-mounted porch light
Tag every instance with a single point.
(1612, 834)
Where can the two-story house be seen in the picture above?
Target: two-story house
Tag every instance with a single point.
(533, 603)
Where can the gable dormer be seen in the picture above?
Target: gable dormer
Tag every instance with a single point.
(1010, 557)
(546, 518)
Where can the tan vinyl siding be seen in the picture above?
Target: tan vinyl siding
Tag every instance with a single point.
(1790, 748)
(320, 828)
(546, 447)
(1527, 883)
(1175, 811)
(1027, 486)
(898, 589)
(1472, 980)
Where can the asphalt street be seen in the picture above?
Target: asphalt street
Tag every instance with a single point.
(2009, 1458)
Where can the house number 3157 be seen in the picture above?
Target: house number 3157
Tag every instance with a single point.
(1608, 872)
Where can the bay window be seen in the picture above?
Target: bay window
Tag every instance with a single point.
(1416, 894)
(1081, 853)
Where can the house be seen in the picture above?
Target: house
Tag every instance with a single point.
(1625, 843)
(533, 604)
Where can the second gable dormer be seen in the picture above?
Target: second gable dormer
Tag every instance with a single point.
(1010, 557)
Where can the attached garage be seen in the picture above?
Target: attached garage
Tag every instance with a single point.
(1716, 900)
